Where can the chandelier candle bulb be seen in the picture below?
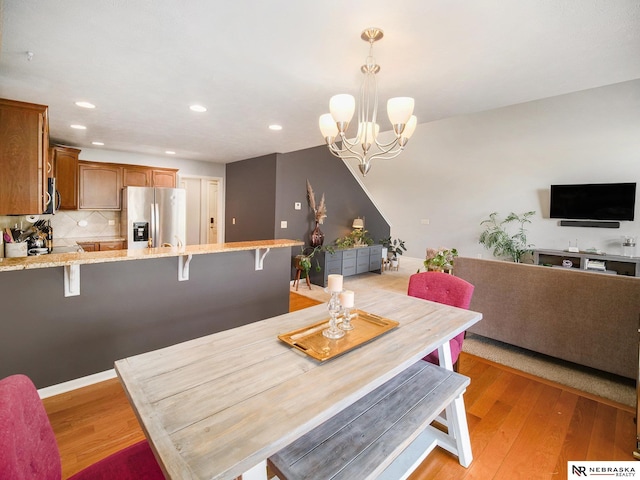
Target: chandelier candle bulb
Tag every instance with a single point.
(409, 128)
(334, 282)
(342, 107)
(328, 127)
(399, 110)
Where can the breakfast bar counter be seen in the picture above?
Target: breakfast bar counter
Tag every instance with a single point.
(83, 258)
(126, 302)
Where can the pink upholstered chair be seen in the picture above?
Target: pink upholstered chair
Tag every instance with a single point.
(28, 448)
(449, 290)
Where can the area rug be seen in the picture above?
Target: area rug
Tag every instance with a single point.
(594, 382)
(602, 384)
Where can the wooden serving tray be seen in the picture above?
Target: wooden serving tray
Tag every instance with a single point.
(310, 340)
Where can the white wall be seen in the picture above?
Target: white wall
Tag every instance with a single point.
(456, 171)
(186, 167)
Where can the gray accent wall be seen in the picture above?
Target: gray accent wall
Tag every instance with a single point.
(250, 196)
(130, 307)
(285, 185)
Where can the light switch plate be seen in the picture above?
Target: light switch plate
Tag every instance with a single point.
(283, 224)
(297, 205)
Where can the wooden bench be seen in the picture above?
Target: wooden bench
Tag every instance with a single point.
(387, 433)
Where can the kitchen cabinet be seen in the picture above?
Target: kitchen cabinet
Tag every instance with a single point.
(65, 171)
(24, 146)
(106, 246)
(163, 177)
(140, 176)
(100, 186)
(136, 176)
(89, 246)
(102, 246)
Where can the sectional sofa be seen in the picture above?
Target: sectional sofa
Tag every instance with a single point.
(588, 318)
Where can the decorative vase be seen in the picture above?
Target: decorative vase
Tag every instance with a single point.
(317, 237)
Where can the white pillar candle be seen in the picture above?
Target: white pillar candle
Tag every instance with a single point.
(334, 282)
(347, 299)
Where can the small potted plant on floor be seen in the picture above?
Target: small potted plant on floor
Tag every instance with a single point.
(395, 247)
(304, 261)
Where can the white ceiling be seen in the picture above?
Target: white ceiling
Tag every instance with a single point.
(255, 62)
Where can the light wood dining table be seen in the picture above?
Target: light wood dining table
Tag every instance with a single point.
(218, 406)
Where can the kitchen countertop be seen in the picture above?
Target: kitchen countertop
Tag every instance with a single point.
(97, 239)
(82, 258)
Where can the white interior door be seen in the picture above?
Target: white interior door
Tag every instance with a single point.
(213, 211)
(204, 209)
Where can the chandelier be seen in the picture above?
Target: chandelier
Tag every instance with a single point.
(365, 146)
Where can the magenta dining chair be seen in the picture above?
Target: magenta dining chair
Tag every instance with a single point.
(446, 289)
(28, 448)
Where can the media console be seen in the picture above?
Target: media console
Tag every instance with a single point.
(613, 264)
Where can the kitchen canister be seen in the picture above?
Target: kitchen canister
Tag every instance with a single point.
(12, 250)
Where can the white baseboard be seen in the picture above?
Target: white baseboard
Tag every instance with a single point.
(76, 383)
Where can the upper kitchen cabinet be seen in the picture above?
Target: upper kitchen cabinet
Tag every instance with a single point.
(136, 176)
(65, 171)
(24, 146)
(164, 177)
(100, 186)
(140, 176)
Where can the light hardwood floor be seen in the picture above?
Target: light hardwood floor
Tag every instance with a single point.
(520, 426)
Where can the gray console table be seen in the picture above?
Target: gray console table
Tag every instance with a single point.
(346, 262)
(614, 264)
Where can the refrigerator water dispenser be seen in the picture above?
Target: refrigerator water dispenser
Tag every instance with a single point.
(140, 231)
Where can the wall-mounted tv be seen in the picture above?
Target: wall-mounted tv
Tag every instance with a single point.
(593, 201)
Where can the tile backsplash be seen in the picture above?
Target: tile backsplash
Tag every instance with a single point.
(66, 224)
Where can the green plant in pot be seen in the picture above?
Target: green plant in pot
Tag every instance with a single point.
(497, 238)
(440, 259)
(359, 237)
(304, 261)
(394, 247)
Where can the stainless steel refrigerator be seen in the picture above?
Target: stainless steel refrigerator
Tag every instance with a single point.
(153, 216)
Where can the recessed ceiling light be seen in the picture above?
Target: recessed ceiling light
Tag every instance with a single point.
(79, 127)
(85, 104)
(275, 127)
(198, 108)
(97, 143)
(170, 152)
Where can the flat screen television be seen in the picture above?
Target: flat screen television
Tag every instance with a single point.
(593, 201)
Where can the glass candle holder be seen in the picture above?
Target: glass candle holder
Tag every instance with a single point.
(346, 324)
(334, 308)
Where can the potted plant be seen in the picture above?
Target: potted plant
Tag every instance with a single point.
(319, 214)
(304, 261)
(357, 238)
(440, 259)
(504, 244)
(394, 248)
